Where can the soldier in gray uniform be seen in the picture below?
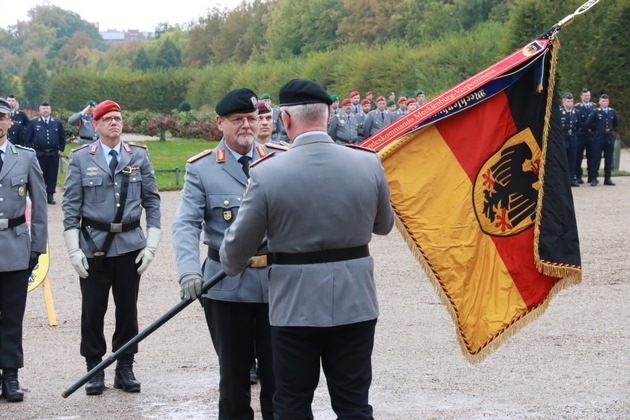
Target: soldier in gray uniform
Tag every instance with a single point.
(236, 309)
(322, 296)
(87, 132)
(19, 174)
(108, 184)
(344, 127)
(377, 119)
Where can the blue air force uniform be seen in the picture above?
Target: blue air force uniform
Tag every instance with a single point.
(17, 131)
(584, 137)
(569, 119)
(48, 139)
(603, 122)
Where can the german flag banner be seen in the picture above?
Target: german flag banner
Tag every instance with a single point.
(479, 182)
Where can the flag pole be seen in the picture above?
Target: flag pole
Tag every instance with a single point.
(553, 31)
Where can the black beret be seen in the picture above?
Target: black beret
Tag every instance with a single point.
(604, 96)
(44, 104)
(302, 92)
(241, 100)
(567, 95)
(585, 90)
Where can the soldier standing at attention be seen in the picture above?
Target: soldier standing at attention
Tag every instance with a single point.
(603, 121)
(265, 124)
(322, 295)
(377, 119)
(108, 184)
(87, 132)
(344, 127)
(569, 117)
(19, 175)
(584, 136)
(45, 134)
(236, 309)
(17, 132)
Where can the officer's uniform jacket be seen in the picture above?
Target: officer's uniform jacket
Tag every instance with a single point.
(278, 133)
(583, 113)
(296, 199)
(569, 119)
(17, 131)
(86, 128)
(46, 139)
(210, 201)
(20, 175)
(344, 128)
(91, 191)
(374, 122)
(603, 123)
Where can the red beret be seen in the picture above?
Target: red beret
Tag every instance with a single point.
(263, 107)
(368, 93)
(353, 93)
(380, 98)
(365, 101)
(105, 107)
(345, 102)
(402, 99)
(411, 101)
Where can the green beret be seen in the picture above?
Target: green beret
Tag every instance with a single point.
(265, 96)
(241, 100)
(303, 92)
(390, 103)
(90, 102)
(420, 92)
(334, 98)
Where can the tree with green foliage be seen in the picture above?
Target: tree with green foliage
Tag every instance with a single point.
(34, 82)
(169, 55)
(142, 62)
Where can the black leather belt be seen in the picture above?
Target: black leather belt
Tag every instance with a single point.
(45, 150)
(110, 227)
(257, 261)
(9, 223)
(86, 138)
(318, 257)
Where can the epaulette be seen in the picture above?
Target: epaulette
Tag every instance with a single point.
(24, 147)
(276, 146)
(200, 155)
(251, 165)
(138, 145)
(79, 148)
(356, 146)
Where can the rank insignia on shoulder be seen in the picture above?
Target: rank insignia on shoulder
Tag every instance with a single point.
(93, 148)
(138, 145)
(358, 147)
(251, 165)
(79, 148)
(200, 155)
(276, 146)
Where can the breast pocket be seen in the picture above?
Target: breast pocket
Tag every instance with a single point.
(135, 186)
(224, 208)
(18, 187)
(93, 189)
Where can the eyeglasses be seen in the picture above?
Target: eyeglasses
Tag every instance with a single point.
(5, 118)
(109, 120)
(239, 121)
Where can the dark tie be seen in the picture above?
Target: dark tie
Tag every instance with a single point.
(244, 160)
(382, 116)
(114, 162)
(1, 162)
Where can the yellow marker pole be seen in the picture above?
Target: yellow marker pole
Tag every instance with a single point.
(50, 305)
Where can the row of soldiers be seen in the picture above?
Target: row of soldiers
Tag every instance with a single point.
(588, 127)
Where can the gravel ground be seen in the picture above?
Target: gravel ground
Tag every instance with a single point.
(573, 362)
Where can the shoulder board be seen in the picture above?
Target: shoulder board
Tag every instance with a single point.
(356, 146)
(261, 150)
(598, 109)
(251, 165)
(276, 146)
(126, 147)
(198, 156)
(612, 109)
(24, 148)
(137, 145)
(79, 148)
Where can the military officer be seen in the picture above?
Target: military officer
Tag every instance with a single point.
(344, 127)
(83, 119)
(569, 117)
(278, 133)
(17, 132)
(420, 98)
(237, 308)
(603, 121)
(584, 135)
(19, 174)
(323, 306)
(377, 119)
(45, 134)
(366, 107)
(108, 184)
(355, 100)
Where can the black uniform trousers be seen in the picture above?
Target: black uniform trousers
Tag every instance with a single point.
(120, 275)
(584, 144)
(13, 289)
(49, 163)
(235, 328)
(602, 142)
(345, 352)
(570, 146)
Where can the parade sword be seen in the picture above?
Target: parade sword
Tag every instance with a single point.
(207, 285)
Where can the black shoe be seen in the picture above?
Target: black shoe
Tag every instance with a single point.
(51, 199)
(253, 374)
(574, 183)
(594, 183)
(11, 390)
(96, 385)
(609, 181)
(580, 180)
(124, 378)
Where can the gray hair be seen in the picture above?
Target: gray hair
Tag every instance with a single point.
(308, 113)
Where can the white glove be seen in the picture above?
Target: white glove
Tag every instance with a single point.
(77, 257)
(147, 254)
(190, 286)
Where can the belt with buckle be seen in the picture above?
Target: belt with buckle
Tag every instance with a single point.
(110, 227)
(319, 257)
(9, 223)
(257, 261)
